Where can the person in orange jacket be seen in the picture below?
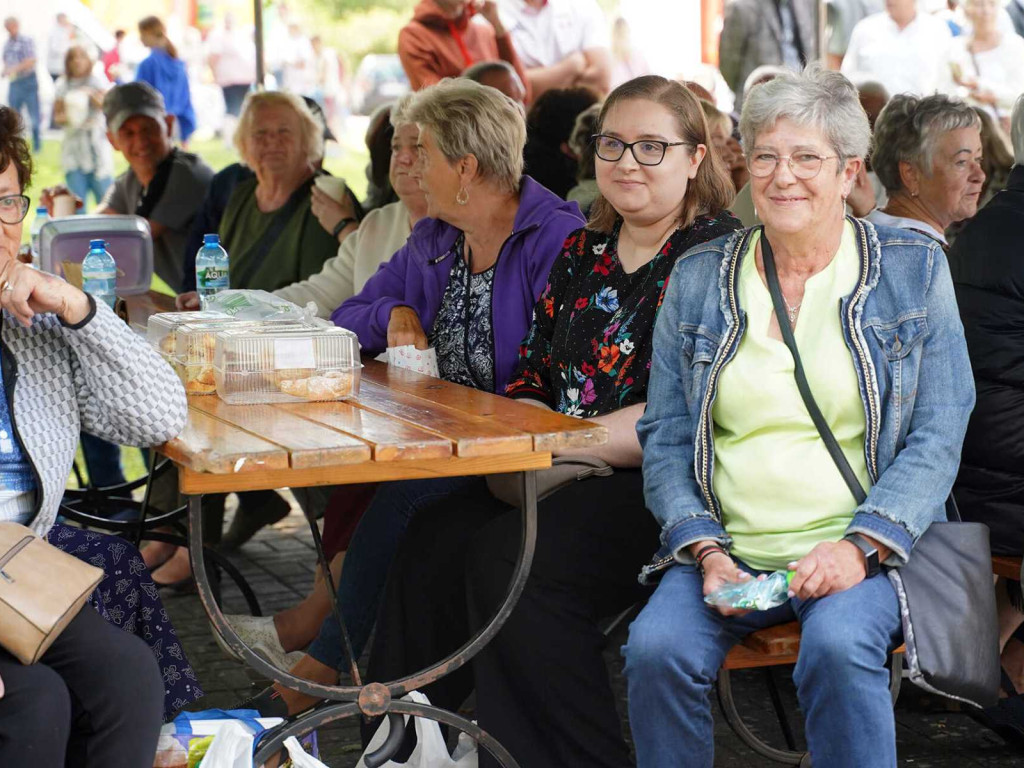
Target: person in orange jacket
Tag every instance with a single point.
(443, 39)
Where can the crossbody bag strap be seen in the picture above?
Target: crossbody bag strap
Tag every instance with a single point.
(256, 255)
(849, 476)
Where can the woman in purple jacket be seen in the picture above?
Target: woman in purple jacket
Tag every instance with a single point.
(465, 283)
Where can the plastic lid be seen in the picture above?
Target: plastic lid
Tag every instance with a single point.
(100, 244)
(213, 239)
(41, 210)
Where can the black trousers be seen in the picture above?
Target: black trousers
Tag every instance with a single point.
(542, 684)
(94, 700)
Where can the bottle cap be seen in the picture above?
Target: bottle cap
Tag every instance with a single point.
(100, 244)
(41, 210)
(213, 239)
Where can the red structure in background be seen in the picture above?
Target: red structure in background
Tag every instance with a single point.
(711, 14)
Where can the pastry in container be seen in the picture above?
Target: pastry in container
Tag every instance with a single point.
(286, 364)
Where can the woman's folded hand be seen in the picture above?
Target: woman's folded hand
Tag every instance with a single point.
(26, 292)
(832, 566)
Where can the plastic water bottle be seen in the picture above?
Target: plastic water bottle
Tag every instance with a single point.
(99, 273)
(37, 225)
(211, 268)
(753, 594)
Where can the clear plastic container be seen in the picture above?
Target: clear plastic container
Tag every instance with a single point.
(272, 365)
(195, 344)
(161, 328)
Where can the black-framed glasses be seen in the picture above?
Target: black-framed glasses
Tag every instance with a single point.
(645, 151)
(13, 208)
(803, 165)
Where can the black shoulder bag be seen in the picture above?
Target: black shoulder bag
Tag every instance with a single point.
(947, 600)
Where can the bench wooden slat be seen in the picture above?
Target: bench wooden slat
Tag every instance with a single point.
(770, 647)
(470, 435)
(1007, 567)
(550, 430)
(389, 439)
(308, 444)
(210, 445)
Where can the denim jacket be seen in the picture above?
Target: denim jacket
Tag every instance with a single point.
(903, 331)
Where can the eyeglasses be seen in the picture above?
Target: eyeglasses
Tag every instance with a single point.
(13, 208)
(803, 165)
(645, 151)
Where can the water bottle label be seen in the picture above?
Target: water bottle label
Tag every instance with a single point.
(212, 277)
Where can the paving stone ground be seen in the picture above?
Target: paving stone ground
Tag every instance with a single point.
(279, 564)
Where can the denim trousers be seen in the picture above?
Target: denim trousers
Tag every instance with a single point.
(24, 92)
(81, 184)
(102, 460)
(369, 557)
(678, 643)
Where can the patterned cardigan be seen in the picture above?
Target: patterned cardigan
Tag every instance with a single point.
(97, 375)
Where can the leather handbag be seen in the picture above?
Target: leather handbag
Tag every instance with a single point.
(564, 470)
(947, 601)
(41, 590)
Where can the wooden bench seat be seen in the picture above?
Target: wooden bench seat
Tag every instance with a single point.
(770, 647)
(1008, 567)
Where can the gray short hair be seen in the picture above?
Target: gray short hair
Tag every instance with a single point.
(1017, 131)
(814, 98)
(908, 128)
(312, 131)
(400, 110)
(466, 118)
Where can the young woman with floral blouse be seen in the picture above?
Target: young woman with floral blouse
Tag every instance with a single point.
(542, 687)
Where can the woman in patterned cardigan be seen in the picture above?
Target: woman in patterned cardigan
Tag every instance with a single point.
(95, 698)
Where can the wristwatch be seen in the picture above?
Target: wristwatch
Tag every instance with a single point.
(344, 223)
(871, 564)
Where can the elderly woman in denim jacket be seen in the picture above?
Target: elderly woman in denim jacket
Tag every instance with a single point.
(734, 469)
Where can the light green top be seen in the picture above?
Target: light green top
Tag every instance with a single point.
(780, 492)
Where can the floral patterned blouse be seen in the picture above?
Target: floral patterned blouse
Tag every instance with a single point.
(588, 351)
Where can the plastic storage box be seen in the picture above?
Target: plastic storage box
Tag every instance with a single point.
(128, 239)
(271, 365)
(161, 328)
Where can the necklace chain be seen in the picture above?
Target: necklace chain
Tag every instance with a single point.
(791, 310)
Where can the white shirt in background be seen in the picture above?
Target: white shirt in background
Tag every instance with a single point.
(547, 35)
(1000, 70)
(232, 57)
(298, 65)
(57, 48)
(911, 60)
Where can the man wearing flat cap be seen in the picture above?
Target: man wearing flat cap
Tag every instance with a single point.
(163, 184)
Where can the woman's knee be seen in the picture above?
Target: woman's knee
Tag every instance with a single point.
(135, 680)
(35, 708)
(657, 649)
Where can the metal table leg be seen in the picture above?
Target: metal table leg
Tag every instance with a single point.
(374, 699)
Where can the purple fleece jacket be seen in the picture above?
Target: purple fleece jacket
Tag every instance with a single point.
(417, 275)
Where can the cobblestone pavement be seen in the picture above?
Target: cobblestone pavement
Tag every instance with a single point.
(279, 564)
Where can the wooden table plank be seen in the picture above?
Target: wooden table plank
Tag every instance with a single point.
(209, 445)
(550, 430)
(389, 439)
(470, 434)
(369, 472)
(308, 444)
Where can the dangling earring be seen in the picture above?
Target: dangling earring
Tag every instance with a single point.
(463, 197)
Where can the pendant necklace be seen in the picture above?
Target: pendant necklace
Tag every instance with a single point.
(790, 310)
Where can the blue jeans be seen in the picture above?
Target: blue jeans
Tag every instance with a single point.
(368, 560)
(24, 92)
(677, 644)
(103, 460)
(81, 184)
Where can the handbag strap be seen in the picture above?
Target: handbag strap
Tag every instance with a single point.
(257, 254)
(831, 444)
(849, 476)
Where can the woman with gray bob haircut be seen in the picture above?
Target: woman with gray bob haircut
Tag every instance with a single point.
(927, 153)
(734, 468)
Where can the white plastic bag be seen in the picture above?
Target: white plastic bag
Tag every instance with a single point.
(430, 751)
(299, 757)
(231, 747)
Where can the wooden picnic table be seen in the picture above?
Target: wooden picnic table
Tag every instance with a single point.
(401, 426)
